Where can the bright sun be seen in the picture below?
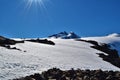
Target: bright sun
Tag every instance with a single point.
(39, 3)
(35, 1)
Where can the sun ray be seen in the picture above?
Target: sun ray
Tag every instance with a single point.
(37, 7)
(30, 3)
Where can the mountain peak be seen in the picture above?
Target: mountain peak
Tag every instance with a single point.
(65, 35)
(114, 35)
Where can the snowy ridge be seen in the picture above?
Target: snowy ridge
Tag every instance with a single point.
(114, 35)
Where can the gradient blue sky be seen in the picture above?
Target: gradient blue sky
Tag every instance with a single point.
(85, 17)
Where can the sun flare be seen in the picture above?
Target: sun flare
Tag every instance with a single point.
(35, 1)
(39, 3)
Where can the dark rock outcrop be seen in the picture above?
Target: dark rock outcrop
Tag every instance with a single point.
(57, 74)
(6, 42)
(44, 41)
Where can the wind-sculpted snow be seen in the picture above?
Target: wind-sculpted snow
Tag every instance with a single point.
(66, 54)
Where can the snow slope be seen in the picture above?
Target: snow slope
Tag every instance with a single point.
(66, 54)
(112, 39)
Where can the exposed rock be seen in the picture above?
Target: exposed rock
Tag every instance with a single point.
(6, 42)
(9, 47)
(57, 74)
(44, 41)
(89, 41)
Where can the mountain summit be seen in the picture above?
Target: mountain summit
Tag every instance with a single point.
(65, 35)
(114, 35)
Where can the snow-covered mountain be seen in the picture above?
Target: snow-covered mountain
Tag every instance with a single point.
(34, 55)
(65, 35)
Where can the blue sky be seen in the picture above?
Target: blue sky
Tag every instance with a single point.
(85, 17)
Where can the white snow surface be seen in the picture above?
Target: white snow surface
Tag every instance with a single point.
(112, 39)
(66, 54)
